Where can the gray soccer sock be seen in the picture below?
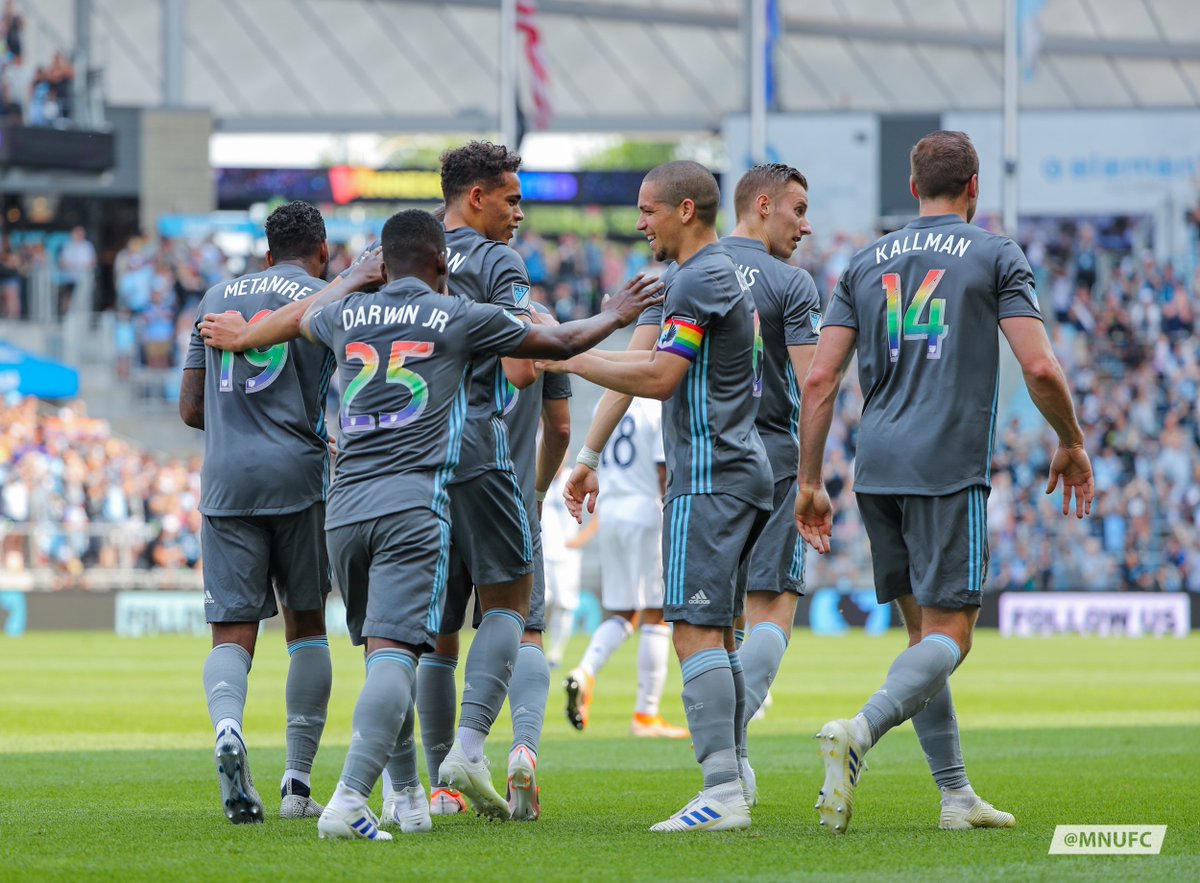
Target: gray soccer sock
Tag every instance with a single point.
(437, 698)
(527, 696)
(709, 700)
(761, 653)
(226, 677)
(490, 664)
(402, 765)
(378, 716)
(917, 675)
(937, 728)
(309, 679)
(739, 703)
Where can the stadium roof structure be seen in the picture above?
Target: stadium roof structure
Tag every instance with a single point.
(618, 65)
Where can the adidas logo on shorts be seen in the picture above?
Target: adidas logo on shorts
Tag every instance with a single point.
(699, 598)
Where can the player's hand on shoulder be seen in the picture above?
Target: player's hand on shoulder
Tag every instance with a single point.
(582, 487)
(639, 293)
(814, 517)
(367, 270)
(222, 331)
(1073, 466)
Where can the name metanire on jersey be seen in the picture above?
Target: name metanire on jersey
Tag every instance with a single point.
(280, 285)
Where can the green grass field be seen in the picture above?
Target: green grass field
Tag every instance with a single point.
(105, 771)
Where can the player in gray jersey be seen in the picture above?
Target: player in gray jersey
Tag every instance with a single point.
(922, 307)
(771, 203)
(404, 353)
(543, 404)
(719, 491)
(263, 501)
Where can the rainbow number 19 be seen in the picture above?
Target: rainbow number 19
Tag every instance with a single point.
(417, 388)
(271, 360)
(932, 331)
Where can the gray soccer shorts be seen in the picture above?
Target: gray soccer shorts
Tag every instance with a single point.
(491, 530)
(392, 573)
(777, 562)
(460, 588)
(707, 540)
(250, 558)
(935, 548)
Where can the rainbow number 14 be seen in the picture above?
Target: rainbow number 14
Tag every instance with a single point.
(932, 331)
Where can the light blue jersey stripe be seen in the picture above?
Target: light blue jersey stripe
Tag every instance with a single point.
(793, 393)
(987, 466)
(433, 620)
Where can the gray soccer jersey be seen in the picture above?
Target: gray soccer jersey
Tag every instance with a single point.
(403, 356)
(265, 445)
(487, 272)
(787, 313)
(711, 442)
(522, 416)
(926, 301)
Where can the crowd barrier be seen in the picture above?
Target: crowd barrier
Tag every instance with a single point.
(828, 612)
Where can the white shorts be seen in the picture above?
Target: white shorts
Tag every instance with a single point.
(562, 581)
(630, 565)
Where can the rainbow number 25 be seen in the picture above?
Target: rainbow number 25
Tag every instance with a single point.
(932, 331)
(271, 360)
(417, 388)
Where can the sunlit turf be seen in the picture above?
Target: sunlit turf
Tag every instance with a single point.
(105, 771)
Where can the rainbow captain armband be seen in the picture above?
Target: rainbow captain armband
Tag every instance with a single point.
(681, 337)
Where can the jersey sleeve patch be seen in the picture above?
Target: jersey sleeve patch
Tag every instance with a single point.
(521, 295)
(814, 319)
(681, 337)
(1031, 293)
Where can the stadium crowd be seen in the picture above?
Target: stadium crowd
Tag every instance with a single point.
(1122, 324)
(73, 496)
(33, 96)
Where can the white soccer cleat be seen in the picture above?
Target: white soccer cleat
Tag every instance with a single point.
(446, 802)
(523, 789)
(706, 813)
(475, 782)
(749, 782)
(963, 810)
(347, 817)
(239, 799)
(408, 809)
(296, 802)
(843, 760)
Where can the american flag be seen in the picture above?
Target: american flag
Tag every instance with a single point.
(540, 78)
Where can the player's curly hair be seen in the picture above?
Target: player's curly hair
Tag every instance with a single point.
(476, 162)
(295, 230)
(768, 178)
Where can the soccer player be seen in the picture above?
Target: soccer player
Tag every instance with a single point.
(922, 307)
(771, 204)
(493, 536)
(388, 527)
(633, 473)
(719, 493)
(263, 502)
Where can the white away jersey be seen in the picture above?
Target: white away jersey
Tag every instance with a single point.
(629, 487)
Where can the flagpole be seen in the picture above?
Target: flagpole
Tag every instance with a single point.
(757, 56)
(1011, 85)
(508, 74)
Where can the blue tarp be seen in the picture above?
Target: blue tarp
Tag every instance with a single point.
(31, 375)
